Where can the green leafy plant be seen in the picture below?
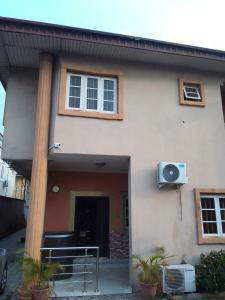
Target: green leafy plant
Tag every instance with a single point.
(37, 274)
(149, 268)
(210, 273)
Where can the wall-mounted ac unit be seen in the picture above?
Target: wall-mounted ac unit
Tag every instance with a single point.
(171, 173)
(178, 278)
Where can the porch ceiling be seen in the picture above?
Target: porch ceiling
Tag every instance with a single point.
(89, 163)
(78, 163)
(22, 167)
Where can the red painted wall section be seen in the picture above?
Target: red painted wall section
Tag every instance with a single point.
(58, 204)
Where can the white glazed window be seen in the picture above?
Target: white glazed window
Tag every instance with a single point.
(192, 93)
(91, 93)
(213, 215)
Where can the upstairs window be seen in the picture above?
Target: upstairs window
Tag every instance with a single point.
(88, 93)
(192, 93)
(93, 94)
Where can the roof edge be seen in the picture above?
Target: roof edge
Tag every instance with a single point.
(67, 32)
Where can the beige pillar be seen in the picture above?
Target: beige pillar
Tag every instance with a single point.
(36, 211)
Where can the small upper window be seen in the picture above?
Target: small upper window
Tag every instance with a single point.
(192, 93)
(91, 93)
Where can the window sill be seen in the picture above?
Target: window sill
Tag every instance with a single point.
(95, 115)
(211, 240)
(192, 103)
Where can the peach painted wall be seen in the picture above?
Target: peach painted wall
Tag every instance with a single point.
(58, 204)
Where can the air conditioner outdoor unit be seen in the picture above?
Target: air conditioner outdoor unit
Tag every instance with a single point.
(178, 279)
(171, 173)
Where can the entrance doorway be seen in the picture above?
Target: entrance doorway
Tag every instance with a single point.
(92, 223)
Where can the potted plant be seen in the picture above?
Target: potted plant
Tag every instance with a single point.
(23, 291)
(149, 272)
(35, 278)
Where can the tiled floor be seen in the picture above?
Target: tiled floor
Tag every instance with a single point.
(113, 279)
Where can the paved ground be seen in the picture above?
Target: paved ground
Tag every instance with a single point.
(12, 244)
(111, 297)
(139, 297)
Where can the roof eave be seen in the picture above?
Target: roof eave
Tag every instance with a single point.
(71, 33)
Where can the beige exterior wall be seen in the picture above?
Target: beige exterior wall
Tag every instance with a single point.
(156, 128)
(19, 117)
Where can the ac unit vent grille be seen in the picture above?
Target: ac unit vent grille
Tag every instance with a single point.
(174, 280)
(171, 173)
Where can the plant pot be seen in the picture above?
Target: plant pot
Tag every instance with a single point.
(148, 290)
(24, 294)
(40, 294)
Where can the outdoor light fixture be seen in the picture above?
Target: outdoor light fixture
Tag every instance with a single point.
(55, 189)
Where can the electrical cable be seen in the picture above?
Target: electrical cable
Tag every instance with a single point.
(181, 208)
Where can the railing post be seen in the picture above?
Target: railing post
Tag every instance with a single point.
(50, 256)
(50, 261)
(97, 268)
(85, 270)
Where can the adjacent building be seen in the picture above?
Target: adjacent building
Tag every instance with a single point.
(7, 176)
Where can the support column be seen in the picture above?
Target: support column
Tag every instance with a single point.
(35, 221)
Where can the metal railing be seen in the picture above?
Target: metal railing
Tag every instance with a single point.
(85, 259)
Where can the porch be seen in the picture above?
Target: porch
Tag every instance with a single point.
(113, 278)
(90, 206)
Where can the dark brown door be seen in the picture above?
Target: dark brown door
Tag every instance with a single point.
(92, 223)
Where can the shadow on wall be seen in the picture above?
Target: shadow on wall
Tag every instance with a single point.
(11, 215)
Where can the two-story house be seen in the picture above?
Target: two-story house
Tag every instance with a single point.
(88, 117)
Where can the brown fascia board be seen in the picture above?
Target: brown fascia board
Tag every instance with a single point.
(100, 37)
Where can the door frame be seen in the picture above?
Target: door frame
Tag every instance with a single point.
(72, 205)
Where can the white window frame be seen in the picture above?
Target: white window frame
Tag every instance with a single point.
(218, 216)
(198, 97)
(83, 93)
(68, 92)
